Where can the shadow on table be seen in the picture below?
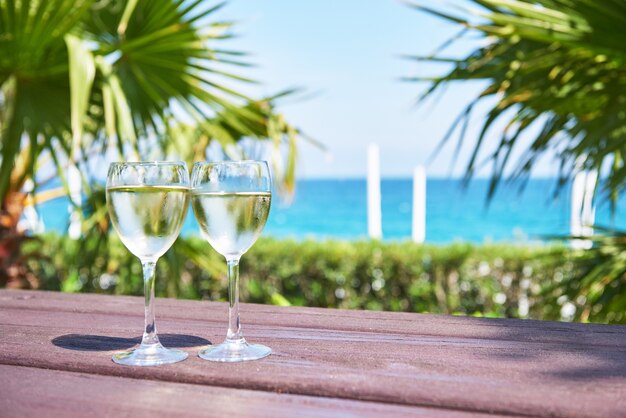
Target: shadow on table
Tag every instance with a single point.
(82, 342)
(576, 351)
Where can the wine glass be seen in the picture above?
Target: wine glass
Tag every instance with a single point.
(147, 202)
(231, 201)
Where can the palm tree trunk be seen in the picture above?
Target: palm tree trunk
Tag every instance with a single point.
(13, 272)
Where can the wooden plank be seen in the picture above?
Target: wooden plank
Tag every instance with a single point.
(31, 392)
(483, 365)
(327, 319)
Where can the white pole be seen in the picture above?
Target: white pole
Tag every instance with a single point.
(30, 221)
(583, 212)
(374, 215)
(589, 209)
(419, 204)
(75, 190)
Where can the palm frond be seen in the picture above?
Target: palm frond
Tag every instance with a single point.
(555, 63)
(557, 72)
(120, 71)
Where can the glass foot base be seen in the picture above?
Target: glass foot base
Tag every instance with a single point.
(234, 351)
(150, 355)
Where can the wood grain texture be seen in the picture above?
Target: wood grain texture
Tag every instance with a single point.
(465, 364)
(30, 392)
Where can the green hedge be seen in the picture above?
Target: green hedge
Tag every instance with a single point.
(489, 280)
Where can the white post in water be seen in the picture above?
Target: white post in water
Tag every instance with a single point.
(75, 189)
(374, 215)
(419, 204)
(30, 221)
(583, 211)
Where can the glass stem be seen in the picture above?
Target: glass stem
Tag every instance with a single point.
(234, 327)
(150, 333)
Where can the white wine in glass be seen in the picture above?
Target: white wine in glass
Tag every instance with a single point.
(231, 201)
(147, 204)
(147, 218)
(231, 222)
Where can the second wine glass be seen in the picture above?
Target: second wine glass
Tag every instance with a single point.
(231, 201)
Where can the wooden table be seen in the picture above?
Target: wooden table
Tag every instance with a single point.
(55, 360)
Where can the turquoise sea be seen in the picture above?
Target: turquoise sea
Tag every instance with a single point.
(335, 208)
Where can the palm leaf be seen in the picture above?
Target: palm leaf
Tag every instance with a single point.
(556, 63)
(129, 64)
(78, 77)
(557, 69)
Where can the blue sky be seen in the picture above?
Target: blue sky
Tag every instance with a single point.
(347, 55)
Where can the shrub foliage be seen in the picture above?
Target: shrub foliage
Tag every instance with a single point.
(486, 280)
